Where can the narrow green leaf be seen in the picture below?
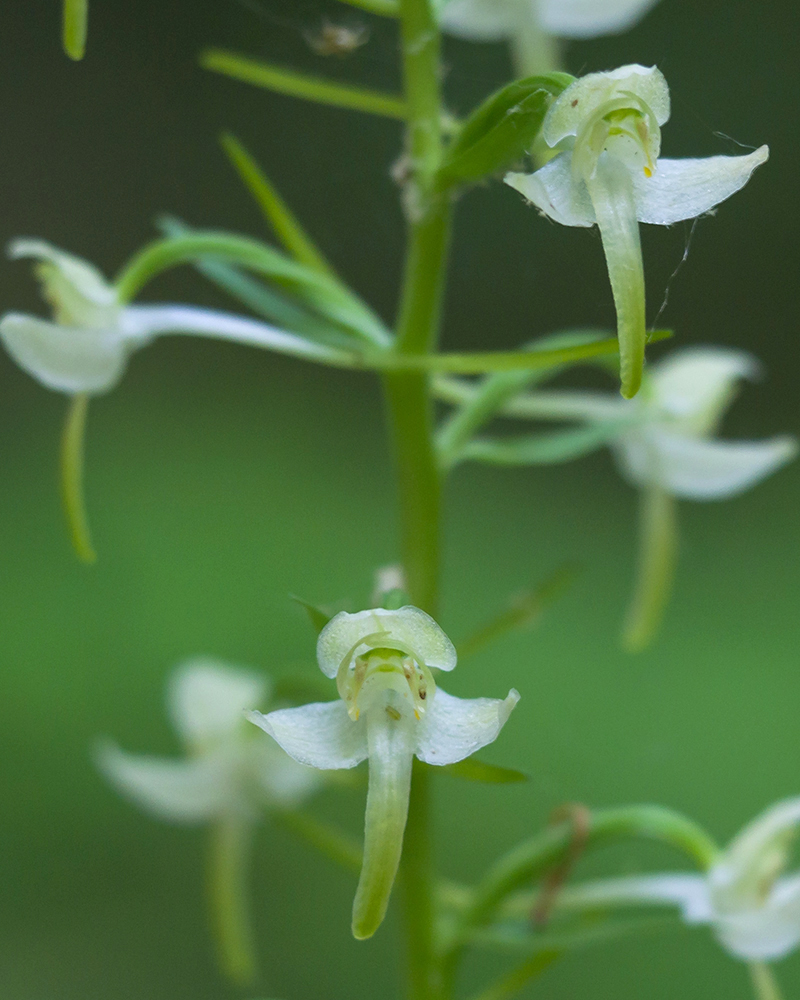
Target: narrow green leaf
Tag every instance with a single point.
(483, 402)
(490, 774)
(309, 88)
(549, 448)
(524, 611)
(275, 210)
(75, 25)
(71, 462)
(383, 8)
(318, 618)
(264, 301)
(502, 129)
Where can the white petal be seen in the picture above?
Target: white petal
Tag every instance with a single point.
(698, 469)
(575, 105)
(590, 18)
(320, 735)
(186, 791)
(453, 728)
(683, 189)
(76, 272)
(67, 359)
(763, 835)
(695, 385)
(690, 892)
(554, 191)
(409, 628)
(481, 20)
(207, 699)
(765, 933)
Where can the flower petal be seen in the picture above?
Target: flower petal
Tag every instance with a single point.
(590, 18)
(320, 735)
(690, 892)
(683, 189)
(763, 842)
(412, 629)
(184, 791)
(482, 20)
(697, 469)
(453, 728)
(767, 932)
(694, 386)
(67, 359)
(207, 699)
(77, 275)
(575, 105)
(554, 191)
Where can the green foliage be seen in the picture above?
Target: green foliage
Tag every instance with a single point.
(501, 130)
(318, 618)
(472, 769)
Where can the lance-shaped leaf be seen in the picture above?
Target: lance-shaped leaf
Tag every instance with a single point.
(502, 129)
(542, 449)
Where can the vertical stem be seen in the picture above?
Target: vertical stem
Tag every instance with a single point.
(765, 986)
(411, 421)
(658, 548)
(227, 892)
(71, 468)
(74, 26)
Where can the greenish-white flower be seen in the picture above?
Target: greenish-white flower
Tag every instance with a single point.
(498, 20)
(390, 710)
(607, 129)
(86, 346)
(225, 772)
(748, 898)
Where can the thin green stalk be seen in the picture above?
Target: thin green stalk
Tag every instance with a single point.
(227, 890)
(534, 857)
(384, 8)
(765, 985)
(71, 466)
(74, 28)
(309, 88)
(411, 421)
(658, 551)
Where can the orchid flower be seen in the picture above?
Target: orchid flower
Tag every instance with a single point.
(84, 349)
(665, 445)
(751, 904)
(390, 710)
(607, 127)
(532, 25)
(226, 779)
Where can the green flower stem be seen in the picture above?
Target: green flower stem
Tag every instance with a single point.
(534, 857)
(765, 985)
(410, 412)
(227, 891)
(658, 550)
(74, 28)
(309, 88)
(71, 466)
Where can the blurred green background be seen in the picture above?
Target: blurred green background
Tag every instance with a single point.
(219, 480)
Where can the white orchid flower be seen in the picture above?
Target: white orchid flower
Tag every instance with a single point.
(750, 903)
(607, 127)
(665, 445)
(227, 779)
(225, 772)
(529, 24)
(86, 346)
(390, 711)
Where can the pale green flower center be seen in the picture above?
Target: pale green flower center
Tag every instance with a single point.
(367, 681)
(94, 308)
(624, 128)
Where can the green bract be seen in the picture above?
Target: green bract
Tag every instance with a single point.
(608, 128)
(390, 711)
